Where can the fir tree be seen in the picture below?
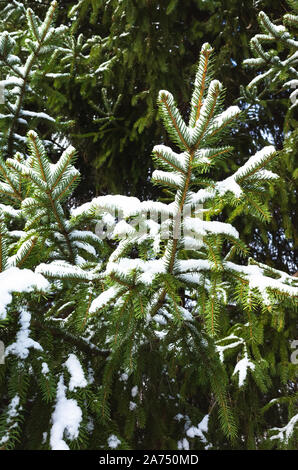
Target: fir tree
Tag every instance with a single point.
(21, 57)
(275, 59)
(125, 50)
(124, 331)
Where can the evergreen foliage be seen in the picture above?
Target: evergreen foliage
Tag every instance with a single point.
(131, 50)
(20, 60)
(275, 59)
(134, 332)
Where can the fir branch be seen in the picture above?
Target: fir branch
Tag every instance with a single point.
(27, 70)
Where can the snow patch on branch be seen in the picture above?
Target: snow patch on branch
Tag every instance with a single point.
(66, 419)
(104, 298)
(23, 342)
(113, 441)
(242, 367)
(257, 280)
(77, 376)
(13, 410)
(18, 280)
(286, 432)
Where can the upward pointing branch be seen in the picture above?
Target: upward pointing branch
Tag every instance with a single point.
(27, 69)
(206, 54)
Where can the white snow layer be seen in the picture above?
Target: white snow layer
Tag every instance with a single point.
(194, 431)
(230, 183)
(77, 377)
(9, 210)
(285, 433)
(124, 206)
(132, 405)
(148, 269)
(241, 367)
(45, 368)
(62, 269)
(258, 280)
(18, 280)
(104, 298)
(23, 343)
(226, 116)
(113, 441)
(66, 418)
(179, 159)
(13, 409)
(37, 115)
(254, 161)
(202, 227)
(183, 444)
(221, 349)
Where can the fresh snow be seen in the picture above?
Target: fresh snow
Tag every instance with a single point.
(9, 210)
(105, 65)
(160, 319)
(286, 432)
(161, 334)
(62, 269)
(226, 116)
(230, 183)
(85, 246)
(258, 280)
(178, 159)
(198, 431)
(123, 206)
(148, 269)
(132, 405)
(221, 349)
(113, 441)
(202, 227)
(127, 205)
(37, 115)
(123, 377)
(66, 419)
(123, 228)
(186, 315)
(45, 368)
(18, 280)
(104, 298)
(77, 377)
(12, 412)
(23, 342)
(169, 177)
(241, 367)
(292, 83)
(266, 174)
(12, 408)
(183, 444)
(192, 278)
(192, 265)
(254, 161)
